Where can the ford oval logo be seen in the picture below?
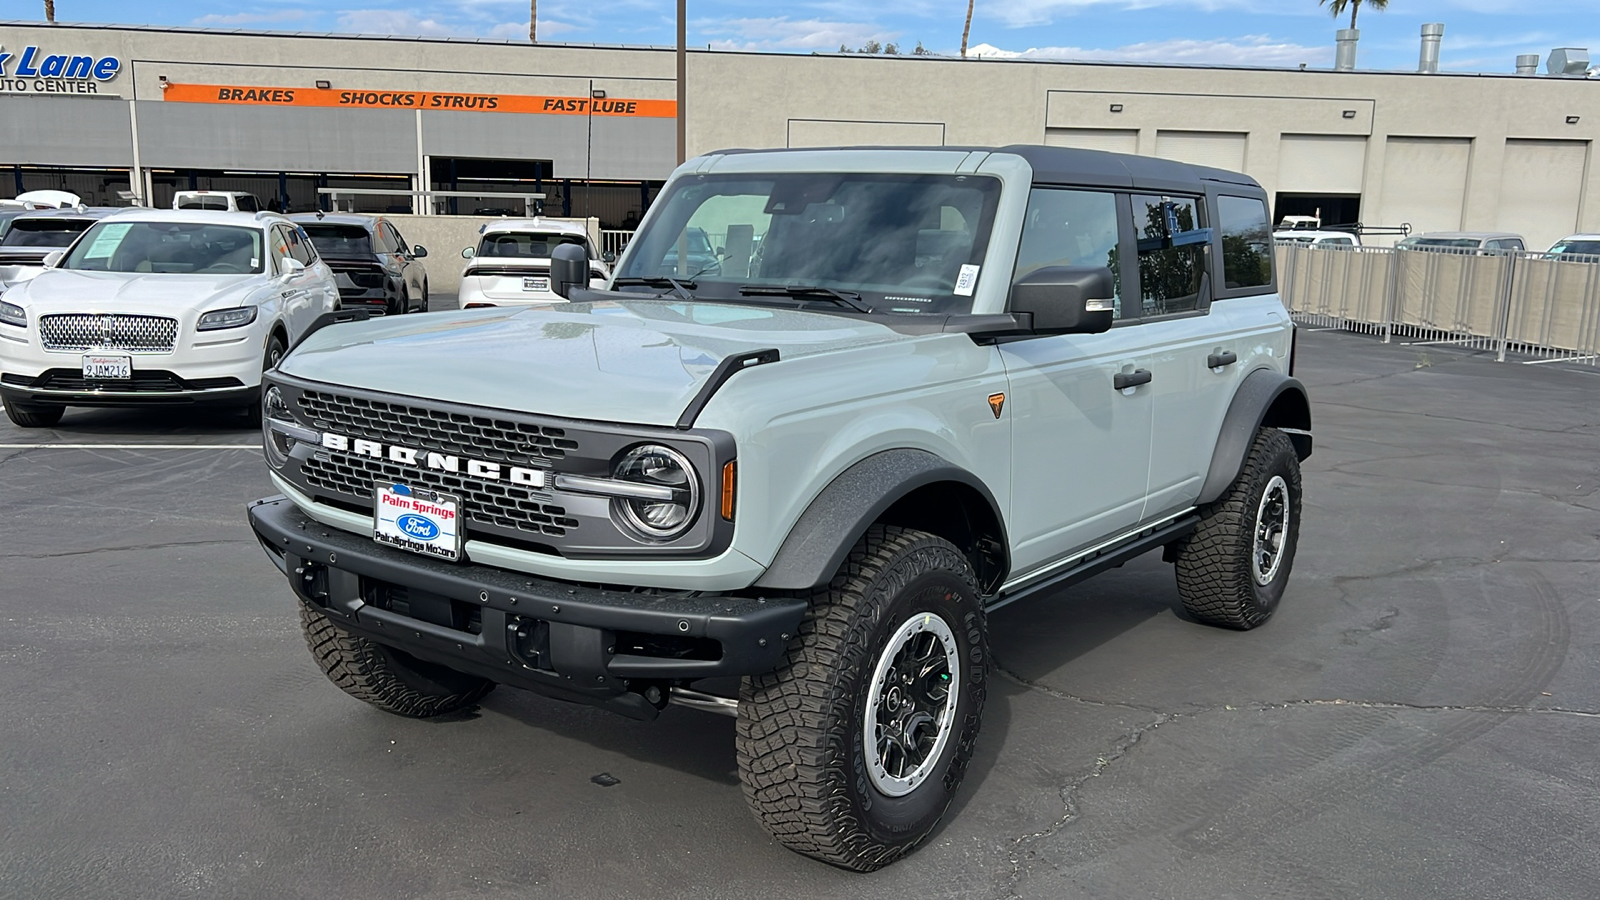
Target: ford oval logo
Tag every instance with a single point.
(418, 527)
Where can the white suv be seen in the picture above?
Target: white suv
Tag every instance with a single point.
(511, 264)
(155, 307)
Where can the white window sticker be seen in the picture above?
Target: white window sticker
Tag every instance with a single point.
(106, 242)
(967, 281)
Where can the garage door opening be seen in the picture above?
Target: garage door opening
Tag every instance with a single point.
(1333, 209)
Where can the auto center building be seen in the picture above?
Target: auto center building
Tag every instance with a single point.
(103, 110)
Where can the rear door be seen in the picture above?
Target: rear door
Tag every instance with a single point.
(1080, 449)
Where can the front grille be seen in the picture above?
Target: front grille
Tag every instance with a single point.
(88, 331)
(477, 436)
(487, 503)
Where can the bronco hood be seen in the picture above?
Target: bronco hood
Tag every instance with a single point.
(632, 361)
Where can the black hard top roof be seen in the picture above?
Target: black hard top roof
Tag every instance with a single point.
(1070, 165)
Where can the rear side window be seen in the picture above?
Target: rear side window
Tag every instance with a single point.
(1247, 242)
(1172, 255)
(1070, 228)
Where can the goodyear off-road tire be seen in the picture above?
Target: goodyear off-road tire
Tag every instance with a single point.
(26, 416)
(1232, 570)
(808, 770)
(387, 678)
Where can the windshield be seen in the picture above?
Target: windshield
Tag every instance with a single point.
(171, 247)
(525, 245)
(43, 232)
(1294, 238)
(1576, 248)
(339, 240)
(903, 243)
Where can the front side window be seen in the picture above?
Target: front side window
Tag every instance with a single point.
(299, 247)
(247, 204)
(1172, 255)
(1070, 228)
(44, 232)
(893, 243)
(1247, 242)
(179, 248)
(339, 241)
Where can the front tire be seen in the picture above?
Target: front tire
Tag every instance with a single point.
(387, 678)
(852, 750)
(274, 354)
(1233, 569)
(26, 415)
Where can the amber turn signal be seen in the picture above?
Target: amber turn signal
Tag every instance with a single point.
(729, 480)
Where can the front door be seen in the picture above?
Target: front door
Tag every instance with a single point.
(1080, 446)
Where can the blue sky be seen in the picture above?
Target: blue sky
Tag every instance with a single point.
(1480, 35)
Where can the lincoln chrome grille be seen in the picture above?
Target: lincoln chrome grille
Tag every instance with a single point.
(476, 436)
(88, 331)
(488, 503)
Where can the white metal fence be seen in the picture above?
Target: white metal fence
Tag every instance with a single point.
(1524, 304)
(612, 240)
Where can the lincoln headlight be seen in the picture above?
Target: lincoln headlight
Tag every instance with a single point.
(665, 492)
(12, 314)
(279, 431)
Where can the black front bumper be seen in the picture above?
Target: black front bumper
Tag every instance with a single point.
(557, 638)
(64, 387)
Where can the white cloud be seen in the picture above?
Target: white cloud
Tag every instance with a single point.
(404, 22)
(1025, 13)
(783, 33)
(1250, 50)
(283, 15)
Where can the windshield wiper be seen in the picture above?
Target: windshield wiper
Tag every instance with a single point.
(809, 292)
(681, 287)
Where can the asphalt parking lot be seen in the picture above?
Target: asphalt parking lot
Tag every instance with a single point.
(1418, 721)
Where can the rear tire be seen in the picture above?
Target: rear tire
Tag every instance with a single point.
(26, 415)
(387, 678)
(424, 307)
(852, 750)
(1233, 569)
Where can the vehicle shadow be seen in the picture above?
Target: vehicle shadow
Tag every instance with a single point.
(1029, 640)
(144, 422)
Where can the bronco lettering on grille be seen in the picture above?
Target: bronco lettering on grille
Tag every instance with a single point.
(487, 471)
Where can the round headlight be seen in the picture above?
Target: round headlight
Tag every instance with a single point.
(276, 443)
(670, 509)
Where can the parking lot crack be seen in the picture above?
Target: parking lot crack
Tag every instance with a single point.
(1414, 707)
(1069, 798)
(1063, 695)
(134, 547)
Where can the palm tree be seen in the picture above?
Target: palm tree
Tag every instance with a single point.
(50, 11)
(967, 28)
(533, 21)
(1337, 7)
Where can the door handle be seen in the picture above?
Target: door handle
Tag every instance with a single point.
(1130, 379)
(1218, 360)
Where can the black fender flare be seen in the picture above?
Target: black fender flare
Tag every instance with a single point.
(823, 536)
(1264, 398)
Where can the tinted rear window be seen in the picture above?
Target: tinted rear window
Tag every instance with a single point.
(339, 240)
(1246, 242)
(43, 232)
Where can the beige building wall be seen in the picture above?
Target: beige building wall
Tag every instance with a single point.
(1478, 152)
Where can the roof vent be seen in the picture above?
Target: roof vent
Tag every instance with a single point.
(1528, 64)
(1573, 61)
(1344, 49)
(1432, 34)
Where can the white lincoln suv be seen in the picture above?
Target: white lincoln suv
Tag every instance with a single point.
(157, 307)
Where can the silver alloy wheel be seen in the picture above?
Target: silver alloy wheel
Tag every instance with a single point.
(1272, 529)
(911, 706)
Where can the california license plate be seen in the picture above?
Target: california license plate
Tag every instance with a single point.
(536, 284)
(418, 520)
(99, 367)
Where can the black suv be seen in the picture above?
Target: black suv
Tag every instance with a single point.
(375, 267)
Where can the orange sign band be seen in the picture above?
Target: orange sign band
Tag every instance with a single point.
(432, 100)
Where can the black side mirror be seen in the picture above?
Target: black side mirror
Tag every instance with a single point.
(1065, 299)
(418, 251)
(569, 269)
(608, 257)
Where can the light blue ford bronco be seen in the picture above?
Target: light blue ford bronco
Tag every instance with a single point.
(832, 408)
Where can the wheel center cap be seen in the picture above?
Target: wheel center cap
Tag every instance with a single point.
(891, 700)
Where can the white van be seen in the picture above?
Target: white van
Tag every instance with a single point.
(231, 201)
